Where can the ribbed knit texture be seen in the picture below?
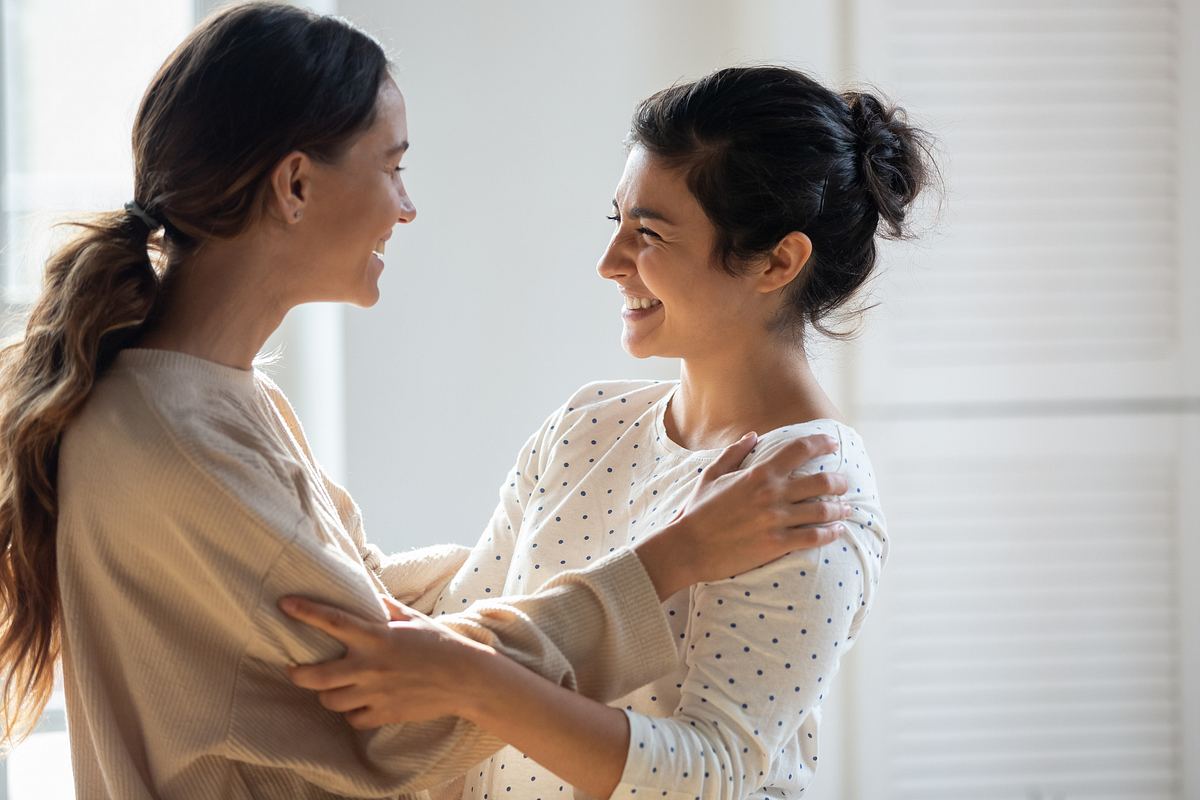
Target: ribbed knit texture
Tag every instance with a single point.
(189, 503)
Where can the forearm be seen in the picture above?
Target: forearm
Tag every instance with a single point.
(600, 631)
(582, 741)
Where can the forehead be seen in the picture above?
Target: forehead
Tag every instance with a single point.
(391, 117)
(643, 175)
(648, 183)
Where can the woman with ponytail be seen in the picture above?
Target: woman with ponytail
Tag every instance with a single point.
(747, 215)
(158, 497)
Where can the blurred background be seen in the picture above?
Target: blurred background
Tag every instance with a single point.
(1029, 383)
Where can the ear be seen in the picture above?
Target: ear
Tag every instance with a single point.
(785, 262)
(291, 185)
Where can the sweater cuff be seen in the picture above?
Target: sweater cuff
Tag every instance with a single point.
(650, 650)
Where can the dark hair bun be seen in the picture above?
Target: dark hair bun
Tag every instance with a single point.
(892, 155)
(768, 150)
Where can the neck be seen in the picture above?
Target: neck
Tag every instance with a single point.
(221, 304)
(723, 397)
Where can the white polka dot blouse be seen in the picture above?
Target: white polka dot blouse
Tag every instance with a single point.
(739, 715)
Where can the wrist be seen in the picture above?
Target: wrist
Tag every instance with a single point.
(469, 685)
(664, 560)
(476, 684)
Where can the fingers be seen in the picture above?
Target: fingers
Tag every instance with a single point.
(797, 453)
(814, 512)
(348, 698)
(321, 677)
(397, 611)
(810, 538)
(344, 627)
(731, 457)
(819, 485)
(364, 719)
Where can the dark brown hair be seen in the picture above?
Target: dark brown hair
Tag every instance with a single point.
(768, 150)
(251, 84)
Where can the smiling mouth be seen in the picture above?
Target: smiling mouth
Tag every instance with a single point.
(634, 303)
(380, 246)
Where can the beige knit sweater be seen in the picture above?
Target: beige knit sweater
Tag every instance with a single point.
(189, 503)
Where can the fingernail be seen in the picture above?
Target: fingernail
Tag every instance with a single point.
(847, 509)
(289, 604)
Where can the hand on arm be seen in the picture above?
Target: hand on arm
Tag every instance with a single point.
(408, 669)
(739, 519)
(412, 669)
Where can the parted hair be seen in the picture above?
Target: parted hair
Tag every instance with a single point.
(249, 85)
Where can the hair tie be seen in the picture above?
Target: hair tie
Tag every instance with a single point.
(133, 208)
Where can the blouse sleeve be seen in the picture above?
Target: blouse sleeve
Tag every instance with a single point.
(764, 648)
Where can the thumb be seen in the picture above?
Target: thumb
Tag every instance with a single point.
(397, 611)
(731, 457)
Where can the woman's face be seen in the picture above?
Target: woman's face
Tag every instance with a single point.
(676, 301)
(355, 203)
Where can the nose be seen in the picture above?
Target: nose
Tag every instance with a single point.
(614, 263)
(408, 211)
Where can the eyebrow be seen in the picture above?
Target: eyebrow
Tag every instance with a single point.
(641, 212)
(396, 149)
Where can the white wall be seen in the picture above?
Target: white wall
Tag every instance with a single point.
(492, 312)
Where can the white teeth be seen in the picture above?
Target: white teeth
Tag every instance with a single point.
(641, 302)
(379, 247)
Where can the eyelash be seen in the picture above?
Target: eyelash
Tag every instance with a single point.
(399, 169)
(642, 231)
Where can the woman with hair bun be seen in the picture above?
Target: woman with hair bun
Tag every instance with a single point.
(158, 497)
(747, 214)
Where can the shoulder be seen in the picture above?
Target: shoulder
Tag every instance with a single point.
(601, 394)
(867, 525)
(595, 406)
(851, 457)
(600, 399)
(773, 441)
(184, 434)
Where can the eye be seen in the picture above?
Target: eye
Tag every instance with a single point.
(644, 231)
(613, 217)
(398, 169)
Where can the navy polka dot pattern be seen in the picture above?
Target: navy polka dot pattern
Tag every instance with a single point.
(757, 652)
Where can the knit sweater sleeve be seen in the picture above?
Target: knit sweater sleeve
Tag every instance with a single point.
(273, 723)
(587, 630)
(600, 632)
(276, 725)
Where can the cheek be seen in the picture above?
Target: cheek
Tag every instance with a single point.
(660, 271)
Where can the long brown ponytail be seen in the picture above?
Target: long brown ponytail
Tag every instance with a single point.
(98, 290)
(249, 85)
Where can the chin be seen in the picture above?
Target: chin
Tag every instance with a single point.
(368, 293)
(368, 299)
(638, 348)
